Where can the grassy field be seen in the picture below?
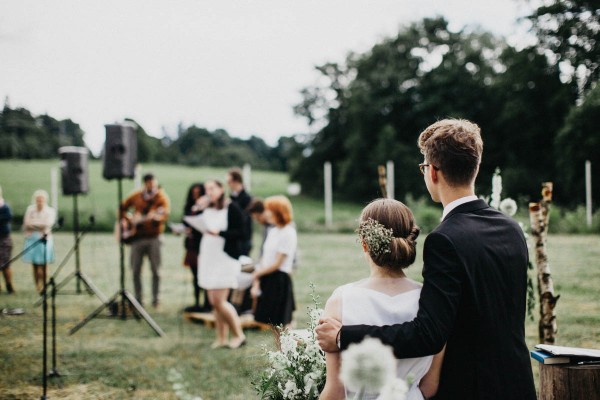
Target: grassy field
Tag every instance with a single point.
(114, 359)
(19, 179)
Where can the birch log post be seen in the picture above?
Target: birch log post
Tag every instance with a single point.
(382, 180)
(539, 214)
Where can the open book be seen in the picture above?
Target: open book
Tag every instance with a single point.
(197, 222)
(569, 351)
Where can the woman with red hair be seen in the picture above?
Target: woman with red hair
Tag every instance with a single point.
(272, 283)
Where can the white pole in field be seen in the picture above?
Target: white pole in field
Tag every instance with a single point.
(247, 177)
(137, 176)
(54, 187)
(390, 179)
(328, 195)
(588, 192)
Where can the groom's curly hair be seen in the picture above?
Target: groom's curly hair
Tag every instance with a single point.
(453, 146)
(394, 215)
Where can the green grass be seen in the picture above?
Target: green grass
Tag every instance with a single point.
(114, 359)
(19, 179)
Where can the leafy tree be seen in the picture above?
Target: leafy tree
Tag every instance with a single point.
(23, 135)
(531, 107)
(578, 141)
(378, 102)
(570, 29)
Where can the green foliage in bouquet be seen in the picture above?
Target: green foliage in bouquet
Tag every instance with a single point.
(297, 369)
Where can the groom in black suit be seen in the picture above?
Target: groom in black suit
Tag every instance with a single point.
(474, 282)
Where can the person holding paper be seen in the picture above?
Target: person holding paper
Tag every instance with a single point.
(474, 291)
(223, 230)
(192, 245)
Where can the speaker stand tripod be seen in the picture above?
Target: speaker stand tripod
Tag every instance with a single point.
(122, 297)
(77, 274)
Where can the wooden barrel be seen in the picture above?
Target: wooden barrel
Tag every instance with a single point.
(569, 382)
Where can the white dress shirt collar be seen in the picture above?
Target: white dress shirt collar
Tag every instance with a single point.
(453, 204)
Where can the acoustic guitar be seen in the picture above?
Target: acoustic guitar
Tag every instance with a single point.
(130, 226)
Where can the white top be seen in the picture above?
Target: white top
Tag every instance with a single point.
(364, 306)
(34, 218)
(280, 240)
(216, 269)
(453, 204)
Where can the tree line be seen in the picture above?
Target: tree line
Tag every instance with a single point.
(539, 123)
(27, 136)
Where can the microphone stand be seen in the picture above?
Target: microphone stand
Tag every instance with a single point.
(44, 241)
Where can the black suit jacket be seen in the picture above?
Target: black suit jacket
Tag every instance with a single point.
(473, 299)
(235, 231)
(243, 200)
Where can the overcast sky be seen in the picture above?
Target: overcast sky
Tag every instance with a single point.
(237, 65)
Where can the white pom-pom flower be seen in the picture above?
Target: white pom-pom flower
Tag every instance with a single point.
(396, 389)
(367, 366)
(508, 206)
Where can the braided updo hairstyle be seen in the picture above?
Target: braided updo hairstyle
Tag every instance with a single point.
(393, 215)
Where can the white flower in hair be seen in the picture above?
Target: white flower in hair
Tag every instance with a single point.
(367, 366)
(376, 236)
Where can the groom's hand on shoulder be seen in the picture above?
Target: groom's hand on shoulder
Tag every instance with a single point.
(328, 334)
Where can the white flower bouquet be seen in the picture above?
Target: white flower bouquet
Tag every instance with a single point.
(369, 368)
(297, 370)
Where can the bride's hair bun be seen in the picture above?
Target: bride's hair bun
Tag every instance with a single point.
(395, 217)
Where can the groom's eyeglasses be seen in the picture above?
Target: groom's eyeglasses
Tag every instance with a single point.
(423, 165)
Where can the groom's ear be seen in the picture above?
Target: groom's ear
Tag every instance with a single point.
(435, 177)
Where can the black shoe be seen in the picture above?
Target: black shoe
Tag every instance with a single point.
(195, 308)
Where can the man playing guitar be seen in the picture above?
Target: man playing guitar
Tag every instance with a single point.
(143, 215)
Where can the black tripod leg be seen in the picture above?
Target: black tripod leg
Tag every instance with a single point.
(93, 314)
(138, 307)
(54, 371)
(91, 288)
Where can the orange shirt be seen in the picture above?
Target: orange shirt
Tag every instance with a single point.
(149, 216)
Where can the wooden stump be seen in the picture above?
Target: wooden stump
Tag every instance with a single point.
(569, 382)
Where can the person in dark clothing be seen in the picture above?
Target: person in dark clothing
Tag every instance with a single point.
(242, 198)
(474, 291)
(192, 247)
(6, 244)
(241, 298)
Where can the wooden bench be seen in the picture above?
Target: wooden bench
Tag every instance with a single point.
(208, 319)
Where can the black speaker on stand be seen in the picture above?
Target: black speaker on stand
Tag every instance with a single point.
(74, 177)
(119, 160)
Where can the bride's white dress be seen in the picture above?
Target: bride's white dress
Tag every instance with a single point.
(364, 306)
(216, 270)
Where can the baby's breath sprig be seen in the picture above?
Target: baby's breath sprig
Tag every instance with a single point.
(376, 236)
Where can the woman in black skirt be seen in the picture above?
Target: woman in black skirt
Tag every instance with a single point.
(272, 285)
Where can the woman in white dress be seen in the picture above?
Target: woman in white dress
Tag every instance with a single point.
(388, 234)
(37, 222)
(218, 262)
